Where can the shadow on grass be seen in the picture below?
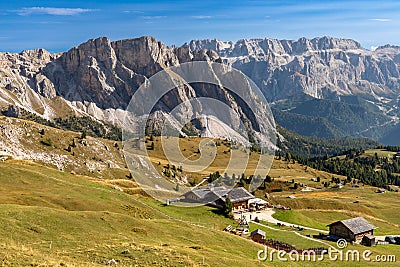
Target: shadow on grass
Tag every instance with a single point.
(218, 212)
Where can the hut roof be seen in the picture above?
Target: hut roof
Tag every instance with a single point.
(258, 231)
(356, 225)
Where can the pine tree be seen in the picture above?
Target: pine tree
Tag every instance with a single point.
(288, 157)
(228, 207)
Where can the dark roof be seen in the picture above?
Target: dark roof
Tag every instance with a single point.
(356, 225)
(208, 195)
(258, 231)
(213, 196)
(202, 192)
(220, 191)
(239, 194)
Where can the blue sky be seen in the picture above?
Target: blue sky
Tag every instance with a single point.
(59, 25)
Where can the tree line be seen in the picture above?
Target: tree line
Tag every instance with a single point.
(375, 171)
(82, 124)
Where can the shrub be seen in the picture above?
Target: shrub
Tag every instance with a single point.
(46, 142)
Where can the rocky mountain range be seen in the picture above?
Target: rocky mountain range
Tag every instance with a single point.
(321, 67)
(99, 77)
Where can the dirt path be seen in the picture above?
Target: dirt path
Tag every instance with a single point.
(266, 215)
(300, 235)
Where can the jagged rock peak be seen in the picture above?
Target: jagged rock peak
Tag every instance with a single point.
(144, 55)
(387, 46)
(99, 48)
(140, 53)
(267, 45)
(325, 42)
(213, 44)
(38, 53)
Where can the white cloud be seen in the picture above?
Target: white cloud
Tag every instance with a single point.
(57, 11)
(373, 48)
(153, 17)
(381, 20)
(133, 11)
(201, 17)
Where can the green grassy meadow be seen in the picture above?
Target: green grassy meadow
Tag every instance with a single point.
(90, 213)
(53, 218)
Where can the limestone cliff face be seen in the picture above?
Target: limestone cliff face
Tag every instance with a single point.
(92, 73)
(321, 67)
(22, 81)
(97, 78)
(108, 73)
(20, 71)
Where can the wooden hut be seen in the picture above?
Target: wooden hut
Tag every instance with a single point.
(352, 230)
(368, 240)
(258, 236)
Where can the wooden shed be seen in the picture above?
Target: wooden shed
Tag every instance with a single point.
(239, 198)
(258, 236)
(368, 240)
(352, 230)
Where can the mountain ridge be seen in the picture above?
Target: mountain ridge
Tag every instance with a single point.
(97, 78)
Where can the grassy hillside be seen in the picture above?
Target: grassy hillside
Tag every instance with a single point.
(226, 153)
(87, 224)
(52, 218)
(321, 208)
(85, 217)
(349, 201)
(346, 202)
(65, 150)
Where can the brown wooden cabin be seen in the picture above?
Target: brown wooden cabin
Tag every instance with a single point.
(368, 240)
(352, 230)
(216, 196)
(258, 236)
